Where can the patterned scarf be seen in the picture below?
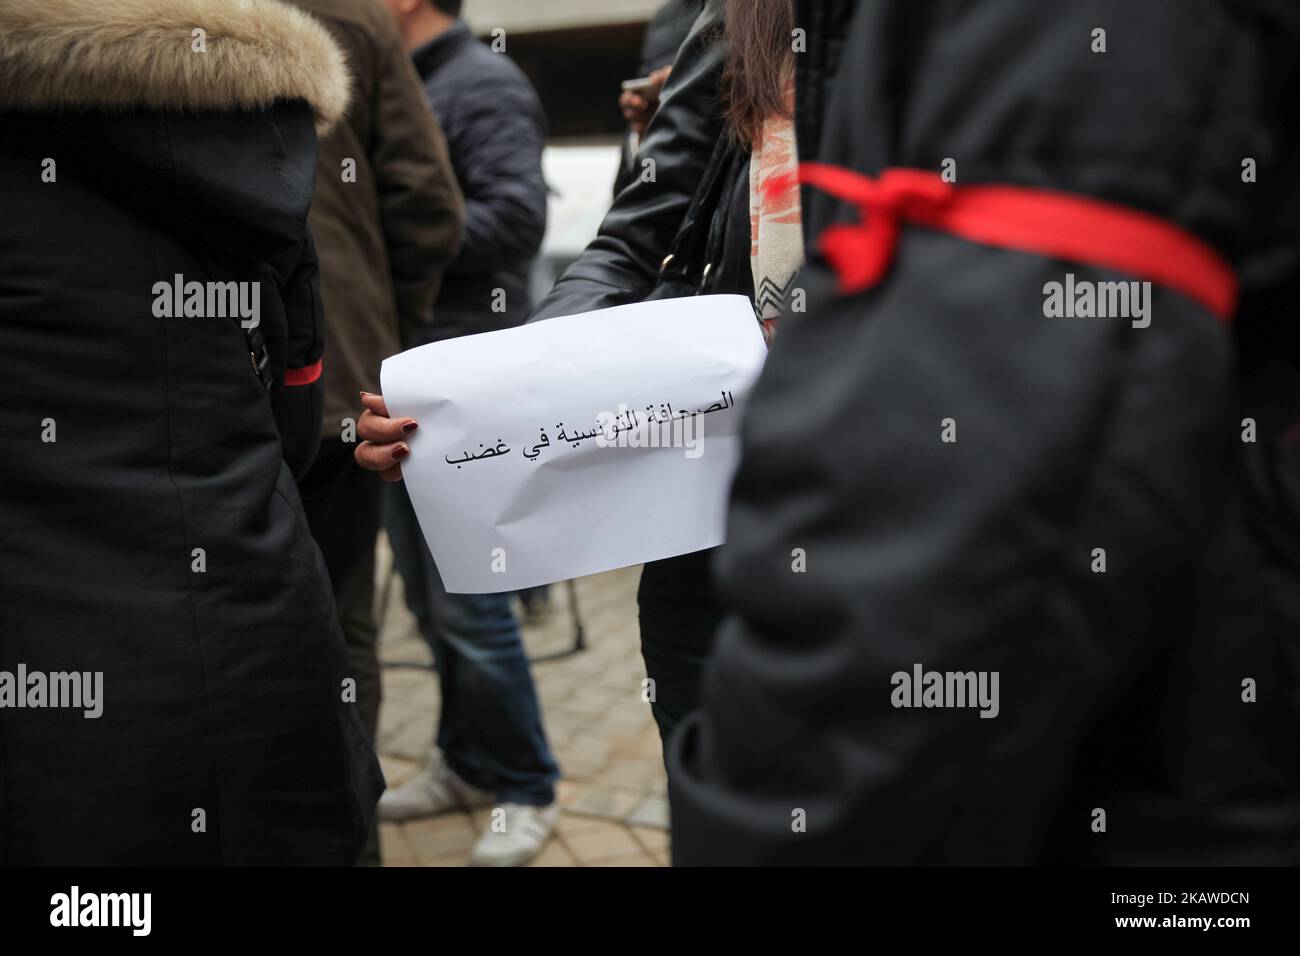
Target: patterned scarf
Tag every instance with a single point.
(775, 219)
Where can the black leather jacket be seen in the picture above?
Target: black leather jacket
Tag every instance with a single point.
(622, 263)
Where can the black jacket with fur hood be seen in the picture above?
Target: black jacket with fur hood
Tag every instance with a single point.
(157, 166)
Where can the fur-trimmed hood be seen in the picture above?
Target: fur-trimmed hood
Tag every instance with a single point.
(86, 54)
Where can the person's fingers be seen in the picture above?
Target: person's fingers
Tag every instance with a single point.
(374, 403)
(384, 458)
(631, 105)
(657, 79)
(381, 449)
(376, 428)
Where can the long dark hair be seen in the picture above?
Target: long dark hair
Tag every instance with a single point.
(760, 56)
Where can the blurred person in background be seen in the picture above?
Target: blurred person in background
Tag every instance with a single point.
(387, 218)
(664, 35)
(491, 745)
(159, 389)
(1072, 540)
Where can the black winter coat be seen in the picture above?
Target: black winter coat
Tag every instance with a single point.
(1149, 708)
(150, 528)
(495, 131)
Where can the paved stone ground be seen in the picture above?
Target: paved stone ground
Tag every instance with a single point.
(614, 808)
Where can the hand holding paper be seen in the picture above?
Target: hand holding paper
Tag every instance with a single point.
(579, 444)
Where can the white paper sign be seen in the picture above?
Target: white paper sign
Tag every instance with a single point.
(577, 444)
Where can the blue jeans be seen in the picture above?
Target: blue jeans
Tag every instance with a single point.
(490, 731)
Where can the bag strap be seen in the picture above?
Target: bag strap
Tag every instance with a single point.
(738, 167)
(697, 233)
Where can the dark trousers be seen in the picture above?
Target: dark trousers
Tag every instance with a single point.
(680, 615)
(342, 502)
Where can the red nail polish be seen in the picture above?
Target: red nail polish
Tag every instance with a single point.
(410, 427)
(400, 452)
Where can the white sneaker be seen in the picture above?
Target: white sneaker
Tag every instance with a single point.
(523, 831)
(435, 789)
